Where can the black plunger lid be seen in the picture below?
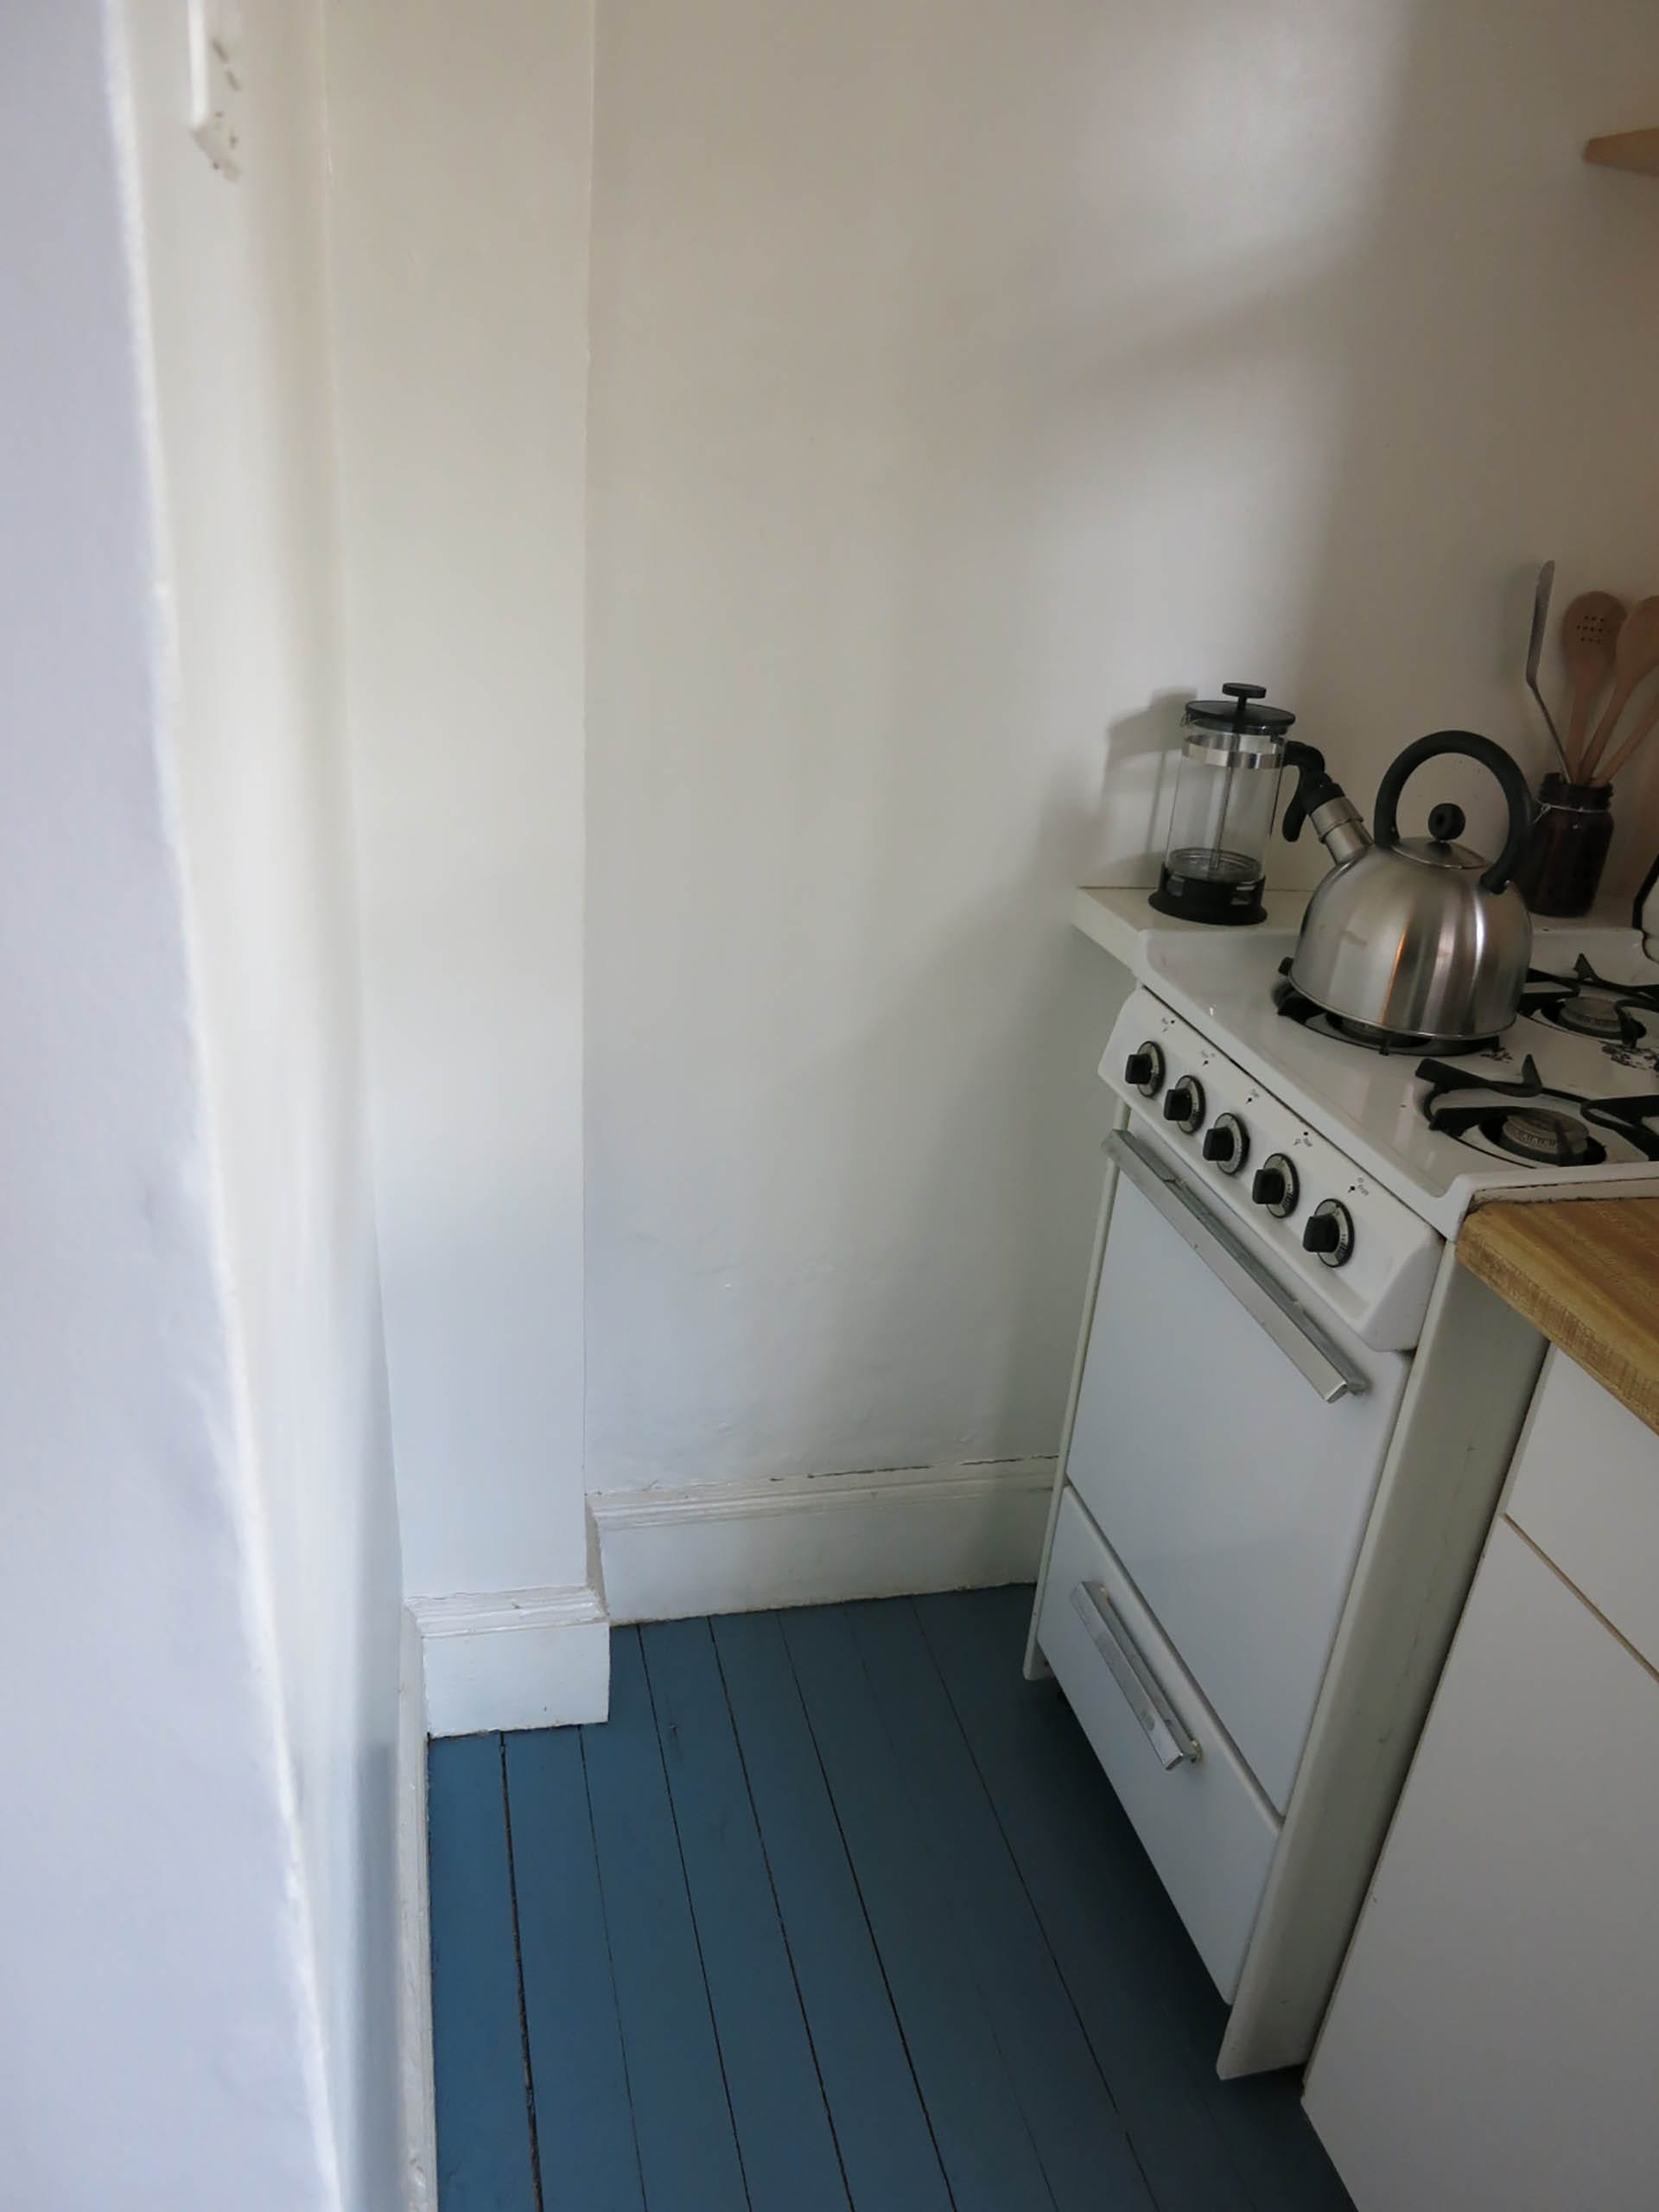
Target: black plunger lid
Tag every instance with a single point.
(1244, 711)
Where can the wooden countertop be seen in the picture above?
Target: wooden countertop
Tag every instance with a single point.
(1586, 1271)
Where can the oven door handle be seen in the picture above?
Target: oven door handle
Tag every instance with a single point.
(1169, 1736)
(1314, 1354)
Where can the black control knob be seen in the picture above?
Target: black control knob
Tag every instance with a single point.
(1275, 1186)
(1144, 1070)
(1227, 1142)
(1184, 1103)
(1329, 1232)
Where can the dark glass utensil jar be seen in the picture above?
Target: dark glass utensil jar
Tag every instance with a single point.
(1560, 870)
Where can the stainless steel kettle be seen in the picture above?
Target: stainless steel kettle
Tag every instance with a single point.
(1415, 939)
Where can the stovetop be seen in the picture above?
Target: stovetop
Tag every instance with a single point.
(1567, 1095)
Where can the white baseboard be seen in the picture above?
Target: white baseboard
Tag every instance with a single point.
(414, 1933)
(514, 1659)
(541, 1658)
(733, 1547)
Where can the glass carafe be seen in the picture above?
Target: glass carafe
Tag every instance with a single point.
(1226, 798)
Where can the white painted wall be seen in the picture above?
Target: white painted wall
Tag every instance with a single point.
(970, 379)
(161, 2043)
(970, 376)
(236, 288)
(460, 158)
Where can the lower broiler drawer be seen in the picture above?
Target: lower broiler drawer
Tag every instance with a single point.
(1205, 1825)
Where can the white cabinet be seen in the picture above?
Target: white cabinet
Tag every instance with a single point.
(1493, 2045)
(1585, 1489)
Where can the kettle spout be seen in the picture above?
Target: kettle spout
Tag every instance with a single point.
(1341, 828)
(1320, 799)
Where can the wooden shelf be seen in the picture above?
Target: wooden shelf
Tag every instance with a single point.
(1626, 149)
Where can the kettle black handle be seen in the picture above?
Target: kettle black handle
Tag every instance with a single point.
(1511, 781)
(1315, 784)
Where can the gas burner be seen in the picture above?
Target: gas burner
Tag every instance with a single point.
(1539, 1134)
(1618, 1016)
(1295, 1007)
(1533, 1124)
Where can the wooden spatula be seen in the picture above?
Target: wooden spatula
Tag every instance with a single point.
(1590, 632)
(1635, 657)
(1534, 653)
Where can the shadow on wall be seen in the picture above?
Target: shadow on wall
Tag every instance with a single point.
(1444, 427)
(1029, 1098)
(1137, 783)
(966, 375)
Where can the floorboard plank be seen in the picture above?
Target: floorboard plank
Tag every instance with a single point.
(584, 2121)
(1153, 2015)
(683, 2122)
(886, 2149)
(1261, 2118)
(1077, 2130)
(486, 2156)
(876, 1846)
(783, 2129)
(986, 2149)
(1106, 1918)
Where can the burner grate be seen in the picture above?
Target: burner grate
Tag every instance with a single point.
(1584, 1004)
(1529, 1121)
(1295, 1006)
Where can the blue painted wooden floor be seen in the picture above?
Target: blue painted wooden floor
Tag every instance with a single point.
(836, 1911)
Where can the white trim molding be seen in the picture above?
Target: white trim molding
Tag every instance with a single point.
(733, 1547)
(414, 1933)
(541, 1658)
(514, 1659)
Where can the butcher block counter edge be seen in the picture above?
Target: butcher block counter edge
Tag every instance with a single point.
(1585, 1272)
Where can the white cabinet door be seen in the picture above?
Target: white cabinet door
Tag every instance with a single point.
(1585, 1489)
(1493, 2045)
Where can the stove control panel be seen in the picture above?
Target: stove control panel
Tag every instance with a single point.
(1329, 1229)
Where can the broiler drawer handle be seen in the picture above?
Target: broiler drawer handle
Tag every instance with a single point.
(1173, 1742)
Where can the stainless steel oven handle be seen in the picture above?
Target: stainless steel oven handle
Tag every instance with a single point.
(1168, 1735)
(1315, 1355)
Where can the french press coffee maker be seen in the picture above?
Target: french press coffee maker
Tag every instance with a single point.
(1226, 796)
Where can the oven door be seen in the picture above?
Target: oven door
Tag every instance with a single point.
(1228, 1438)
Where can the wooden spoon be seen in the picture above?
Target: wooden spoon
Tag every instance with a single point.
(1635, 657)
(1644, 730)
(1589, 631)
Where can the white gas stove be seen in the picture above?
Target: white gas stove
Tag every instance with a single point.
(1293, 1411)
(1567, 1096)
